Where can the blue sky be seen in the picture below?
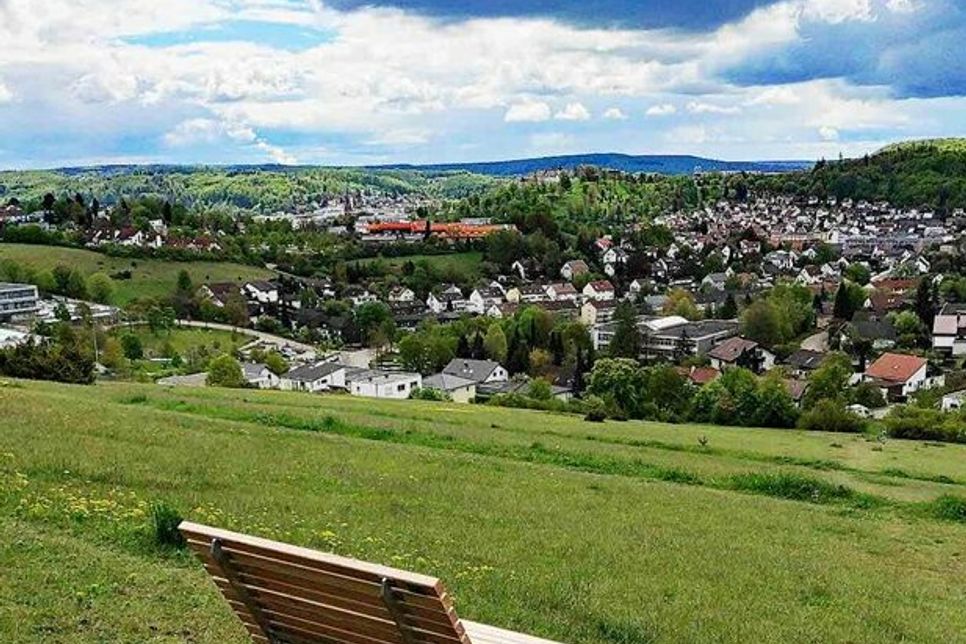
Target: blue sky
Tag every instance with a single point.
(422, 81)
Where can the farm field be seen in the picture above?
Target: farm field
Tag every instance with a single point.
(580, 532)
(149, 277)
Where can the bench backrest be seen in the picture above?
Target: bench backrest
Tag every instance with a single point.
(287, 594)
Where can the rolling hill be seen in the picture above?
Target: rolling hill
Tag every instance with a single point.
(658, 164)
(585, 533)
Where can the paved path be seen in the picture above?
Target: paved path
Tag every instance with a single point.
(817, 342)
(261, 335)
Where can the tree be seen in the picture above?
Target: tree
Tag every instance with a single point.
(76, 285)
(728, 310)
(858, 273)
(868, 395)
(830, 381)
(626, 342)
(760, 322)
(225, 371)
(276, 363)
(681, 302)
(926, 301)
(539, 389)
(909, 328)
(617, 381)
(848, 299)
(495, 343)
(101, 288)
(463, 347)
(541, 363)
(776, 408)
(112, 353)
(236, 310)
(132, 347)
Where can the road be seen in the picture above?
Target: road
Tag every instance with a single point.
(261, 335)
(817, 342)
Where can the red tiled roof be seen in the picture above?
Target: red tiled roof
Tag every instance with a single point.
(602, 285)
(703, 375)
(895, 367)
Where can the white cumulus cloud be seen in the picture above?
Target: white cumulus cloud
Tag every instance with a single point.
(615, 114)
(697, 107)
(662, 109)
(573, 112)
(528, 111)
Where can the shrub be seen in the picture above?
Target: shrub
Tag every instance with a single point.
(429, 394)
(830, 416)
(916, 423)
(790, 486)
(595, 416)
(225, 371)
(950, 508)
(165, 521)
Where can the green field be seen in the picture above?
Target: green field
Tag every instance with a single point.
(580, 532)
(149, 277)
(185, 339)
(468, 263)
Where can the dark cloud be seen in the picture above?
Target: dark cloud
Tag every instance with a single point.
(688, 15)
(916, 54)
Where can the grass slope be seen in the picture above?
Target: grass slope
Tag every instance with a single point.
(149, 277)
(617, 533)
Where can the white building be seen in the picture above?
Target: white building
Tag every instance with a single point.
(378, 384)
(313, 378)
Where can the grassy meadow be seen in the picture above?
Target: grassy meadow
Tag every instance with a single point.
(467, 263)
(185, 339)
(579, 532)
(149, 277)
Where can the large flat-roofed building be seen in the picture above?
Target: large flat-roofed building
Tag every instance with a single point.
(666, 336)
(18, 299)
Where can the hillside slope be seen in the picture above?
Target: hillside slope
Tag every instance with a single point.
(928, 174)
(619, 533)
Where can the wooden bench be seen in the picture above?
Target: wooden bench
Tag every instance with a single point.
(284, 594)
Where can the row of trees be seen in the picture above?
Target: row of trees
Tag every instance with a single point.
(61, 280)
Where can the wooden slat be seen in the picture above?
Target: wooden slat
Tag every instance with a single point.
(320, 580)
(280, 602)
(483, 634)
(318, 601)
(340, 565)
(320, 598)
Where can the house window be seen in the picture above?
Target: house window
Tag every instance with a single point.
(401, 387)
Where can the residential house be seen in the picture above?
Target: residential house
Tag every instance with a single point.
(804, 361)
(574, 268)
(259, 376)
(527, 294)
(478, 371)
(562, 291)
(450, 299)
(597, 312)
(897, 374)
(385, 384)
(601, 290)
(460, 390)
(481, 299)
(741, 352)
(402, 295)
(949, 330)
(313, 378)
(261, 291)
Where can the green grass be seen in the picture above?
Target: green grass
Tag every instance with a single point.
(467, 263)
(185, 339)
(149, 277)
(621, 532)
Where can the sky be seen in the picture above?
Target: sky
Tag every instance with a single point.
(362, 82)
